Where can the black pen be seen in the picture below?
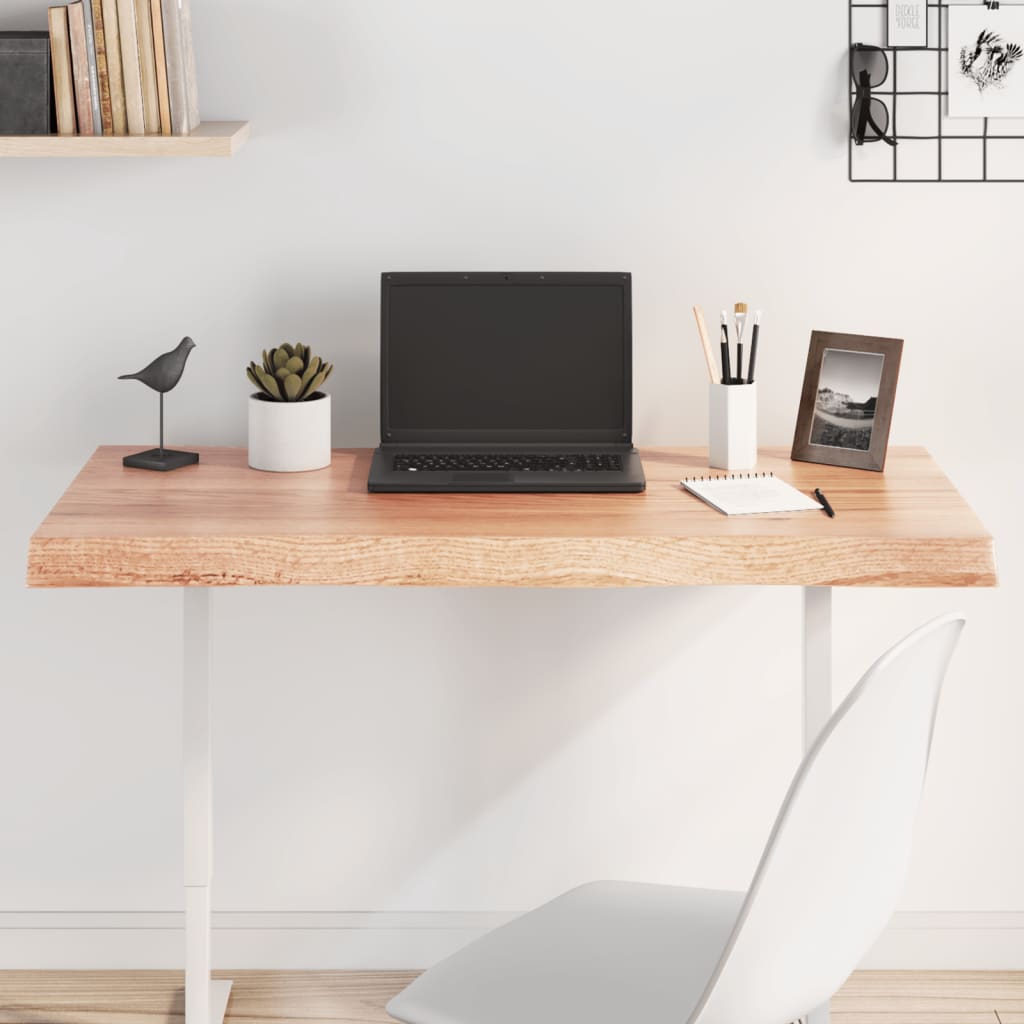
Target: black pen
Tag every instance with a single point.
(753, 347)
(726, 369)
(829, 511)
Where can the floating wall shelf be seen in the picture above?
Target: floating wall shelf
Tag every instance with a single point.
(212, 138)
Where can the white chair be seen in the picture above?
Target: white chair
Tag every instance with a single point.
(827, 883)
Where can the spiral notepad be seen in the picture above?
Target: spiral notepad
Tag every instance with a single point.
(747, 494)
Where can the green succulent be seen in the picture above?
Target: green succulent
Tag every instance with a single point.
(290, 373)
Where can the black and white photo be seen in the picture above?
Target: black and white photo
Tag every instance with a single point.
(844, 409)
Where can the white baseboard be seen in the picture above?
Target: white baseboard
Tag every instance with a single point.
(259, 940)
(394, 941)
(950, 941)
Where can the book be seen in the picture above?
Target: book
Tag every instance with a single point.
(188, 60)
(112, 36)
(63, 80)
(181, 66)
(80, 67)
(745, 494)
(147, 66)
(26, 83)
(102, 71)
(161, 67)
(130, 67)
(175, 69)
(94, 73)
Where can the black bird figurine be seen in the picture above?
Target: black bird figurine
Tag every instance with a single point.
(165, 371)
(162, 375)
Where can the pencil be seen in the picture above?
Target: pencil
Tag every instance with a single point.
(702, 330)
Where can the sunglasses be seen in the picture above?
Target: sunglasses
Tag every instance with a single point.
(869, 120)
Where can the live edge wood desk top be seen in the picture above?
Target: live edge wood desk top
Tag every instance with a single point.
(222, 524)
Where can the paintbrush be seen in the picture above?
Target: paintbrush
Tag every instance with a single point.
(726, 369)
(740, 313)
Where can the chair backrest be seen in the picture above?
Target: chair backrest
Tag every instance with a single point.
(835, 862)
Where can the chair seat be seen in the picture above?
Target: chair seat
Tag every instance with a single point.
(605, 953)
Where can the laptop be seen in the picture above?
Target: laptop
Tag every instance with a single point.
(506, 382)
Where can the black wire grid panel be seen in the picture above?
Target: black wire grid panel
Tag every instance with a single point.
(930, 145)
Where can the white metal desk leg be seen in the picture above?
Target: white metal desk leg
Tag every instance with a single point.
(817, 705)
(817, 661)
(205, 1000)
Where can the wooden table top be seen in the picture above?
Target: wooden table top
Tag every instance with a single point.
(222, 524)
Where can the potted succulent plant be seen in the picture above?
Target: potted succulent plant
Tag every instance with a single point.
(289, 416)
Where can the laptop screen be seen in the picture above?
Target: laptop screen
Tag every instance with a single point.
(482, 358)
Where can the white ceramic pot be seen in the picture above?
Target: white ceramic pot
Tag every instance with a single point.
(290, 437)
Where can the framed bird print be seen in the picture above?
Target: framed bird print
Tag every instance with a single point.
(986, 70)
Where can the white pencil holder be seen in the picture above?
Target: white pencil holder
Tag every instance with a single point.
(732, 426)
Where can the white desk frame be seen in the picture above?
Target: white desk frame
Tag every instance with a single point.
(206, 999)
(817, 688)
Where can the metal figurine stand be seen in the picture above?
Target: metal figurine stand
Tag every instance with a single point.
(892, 93)
(160, 459)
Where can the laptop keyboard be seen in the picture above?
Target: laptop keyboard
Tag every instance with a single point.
(508, 462)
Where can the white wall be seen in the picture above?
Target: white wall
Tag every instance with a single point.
(438, 759)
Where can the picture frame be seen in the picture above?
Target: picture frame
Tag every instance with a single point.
(986, 61)
(847, 400)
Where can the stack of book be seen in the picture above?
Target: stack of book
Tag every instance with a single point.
(124, 67)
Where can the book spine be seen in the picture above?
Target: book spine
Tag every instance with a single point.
(188, 60)
(100, 34)
(112, 33)
(63, 82)
(130, 67)
(94, 71)
(175, 68)
(147, 66)
(161, 67)
(80, 67)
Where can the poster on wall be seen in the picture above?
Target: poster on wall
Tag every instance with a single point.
(908, 24)
(986, 73)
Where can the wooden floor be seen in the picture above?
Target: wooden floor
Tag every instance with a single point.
(340, 997)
